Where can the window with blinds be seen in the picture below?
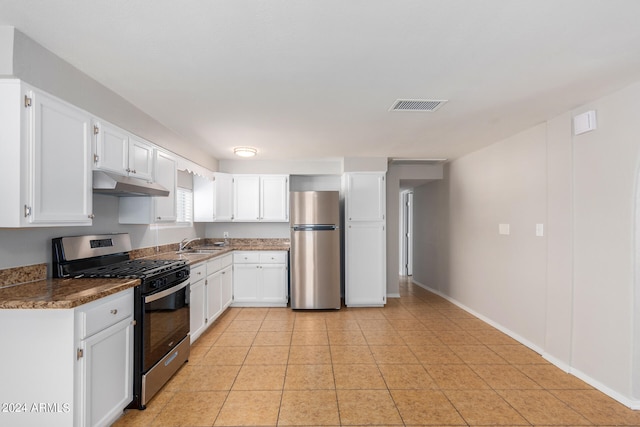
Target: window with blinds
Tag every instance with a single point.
(185, 205)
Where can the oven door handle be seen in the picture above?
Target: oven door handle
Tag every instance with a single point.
(166, 292)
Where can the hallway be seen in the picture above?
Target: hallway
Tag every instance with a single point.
(418, 361)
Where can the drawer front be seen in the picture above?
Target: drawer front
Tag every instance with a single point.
(107, 313)
(213, 265)
(273, 257)
(226, 261)
(198, 272)
(248, 257)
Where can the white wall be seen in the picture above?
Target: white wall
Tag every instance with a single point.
(293, 167)
(41, 68)
(6, 51)
(27, 246)
(605, 170)
(570, 294)
(559, 229)
(502, 184)
(23, 58)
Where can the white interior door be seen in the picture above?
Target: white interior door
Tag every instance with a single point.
(406, 233)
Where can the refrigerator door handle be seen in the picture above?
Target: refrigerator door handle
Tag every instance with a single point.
(318, 227)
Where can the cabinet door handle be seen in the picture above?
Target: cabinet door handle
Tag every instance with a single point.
(91, 216)
(114, 311)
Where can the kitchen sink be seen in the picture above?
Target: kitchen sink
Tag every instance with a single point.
(200, 251)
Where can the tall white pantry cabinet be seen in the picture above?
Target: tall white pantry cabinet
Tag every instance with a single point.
(365, 239)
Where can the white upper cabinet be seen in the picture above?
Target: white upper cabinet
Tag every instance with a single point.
(213, 199)
(166, 175)
(261, 198)
(204, 205)
(45, 161)
(274, 198)
(223, 196)
(246, 190)
(120, 152)
(366, 196)
(111, 150)
(151, 210)
(140, 158)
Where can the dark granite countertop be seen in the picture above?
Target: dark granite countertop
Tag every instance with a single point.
(60, 293)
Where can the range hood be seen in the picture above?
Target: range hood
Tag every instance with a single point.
(123, 186)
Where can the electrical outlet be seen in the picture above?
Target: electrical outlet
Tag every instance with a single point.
(504, 229)
(225, 235)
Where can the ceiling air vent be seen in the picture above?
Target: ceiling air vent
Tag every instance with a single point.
(417, 104)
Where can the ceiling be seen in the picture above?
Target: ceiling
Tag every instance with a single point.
(309, 79)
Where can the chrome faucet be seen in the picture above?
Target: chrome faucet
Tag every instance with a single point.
(184, 243)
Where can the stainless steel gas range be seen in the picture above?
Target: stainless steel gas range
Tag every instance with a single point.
(161, 304)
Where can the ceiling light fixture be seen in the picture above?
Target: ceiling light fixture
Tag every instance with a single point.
(245, 151)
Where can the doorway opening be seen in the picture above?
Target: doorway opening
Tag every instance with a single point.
(406, 233)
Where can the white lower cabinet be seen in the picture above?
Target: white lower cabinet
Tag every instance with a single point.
(197, 300)
(107, 373)
(260, 279)
(226, 283)
(211, 294)
(105, 358)
(68, 367)
(214, 295)
(365, 266)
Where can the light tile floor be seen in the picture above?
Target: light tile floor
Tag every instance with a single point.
(418, 361)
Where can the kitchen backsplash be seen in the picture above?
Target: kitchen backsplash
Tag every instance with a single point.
(16, 275)
(238, 243)
(30, 273)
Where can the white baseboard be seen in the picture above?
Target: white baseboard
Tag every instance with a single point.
(396, 295)
(630, 403)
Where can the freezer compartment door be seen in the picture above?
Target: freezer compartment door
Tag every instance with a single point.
(314, 207)
(315, 269)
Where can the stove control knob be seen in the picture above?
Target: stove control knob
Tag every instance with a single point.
(181, 274)
(157, 283)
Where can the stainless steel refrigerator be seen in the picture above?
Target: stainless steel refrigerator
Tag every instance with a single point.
(315, 249)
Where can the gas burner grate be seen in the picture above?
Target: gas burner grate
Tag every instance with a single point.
(132, 269)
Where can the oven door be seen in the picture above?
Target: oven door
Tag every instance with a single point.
(166, 322)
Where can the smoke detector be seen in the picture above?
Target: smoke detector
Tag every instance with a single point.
(428, 105)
